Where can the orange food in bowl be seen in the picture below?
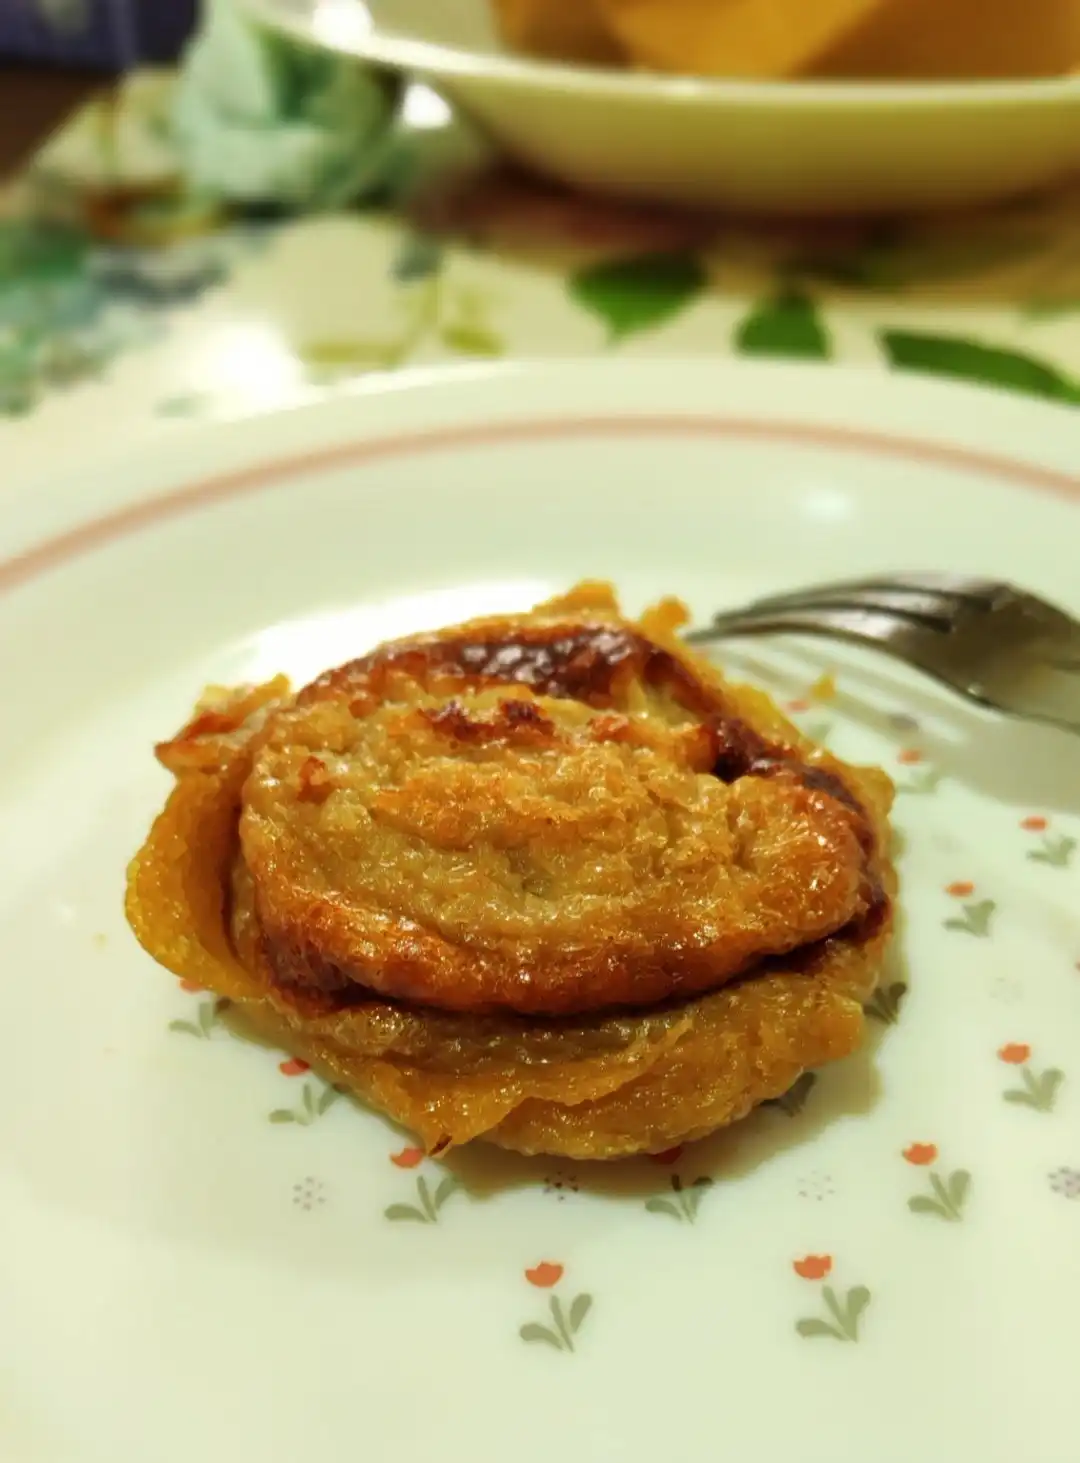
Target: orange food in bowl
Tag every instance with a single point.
(737, 38)
(567, 30)
(956, 39)
(788, 39)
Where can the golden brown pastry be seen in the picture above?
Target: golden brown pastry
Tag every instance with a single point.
(546, 879)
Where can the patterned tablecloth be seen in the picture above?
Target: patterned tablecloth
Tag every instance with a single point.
(128, 306)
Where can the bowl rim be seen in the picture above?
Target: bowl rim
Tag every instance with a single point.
(300, 19)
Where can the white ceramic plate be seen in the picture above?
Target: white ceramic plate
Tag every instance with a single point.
(787, 148)
(201, 1259)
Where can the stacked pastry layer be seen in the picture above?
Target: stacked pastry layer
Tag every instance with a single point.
(545, 879)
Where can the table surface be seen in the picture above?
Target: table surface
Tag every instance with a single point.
(37, 99)
(129, 309)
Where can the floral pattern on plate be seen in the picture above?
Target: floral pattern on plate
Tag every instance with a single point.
(842, 1311)
(1053, 849)
(568, 1316)
(976, 915)
(1066, 1182)
(430, 1196)
(918, 777)
(308, 1194)
(316, 1099)
(1038, 1089)
(283, 1227)
(948, 1191)
(206, 1022)
(684, 1201)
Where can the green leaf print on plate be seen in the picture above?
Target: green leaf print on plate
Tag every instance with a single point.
(1040, 1089)
(315, 1100)
(206, 1019)
(976, 917)
(567, 1320)
(884, 1005)
(430, 1202)
(920, 782)
(984, 365)
(843, 1315)
(684, 1203)
(639, 292)
(947, 1195)
(1056, 851)
(794, 1099)
(787, 325)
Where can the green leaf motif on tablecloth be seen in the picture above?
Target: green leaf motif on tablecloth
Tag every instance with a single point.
(33, 253)
(639, 292)
(1052, 307)
(893, 259)
(788, 325)
(983, 365)
(419, 256)
(471, 340)
(325, 359)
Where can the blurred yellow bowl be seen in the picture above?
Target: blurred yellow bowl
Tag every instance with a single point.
(787, 147)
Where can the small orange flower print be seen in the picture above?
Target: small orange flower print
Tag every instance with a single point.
(1015, 1053)
(544, 1275)
(920, 1154)
(407, 1158)
(961, 889)
(909, 756)
(190, 987)
(669, 1155)
(813, 1267)
(1035, 824)
(293, 1067)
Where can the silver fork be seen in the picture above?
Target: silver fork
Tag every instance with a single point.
(993, 643)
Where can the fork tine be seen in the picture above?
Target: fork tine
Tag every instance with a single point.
(929, 611)
(862, 625)
(999, 646)
(918, 598)
(955, 587)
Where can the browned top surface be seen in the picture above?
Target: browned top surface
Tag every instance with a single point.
(540, 814)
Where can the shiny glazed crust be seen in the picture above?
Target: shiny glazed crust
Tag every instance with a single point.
(604, 1055)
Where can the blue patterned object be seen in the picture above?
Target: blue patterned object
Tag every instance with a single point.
(114, 35)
